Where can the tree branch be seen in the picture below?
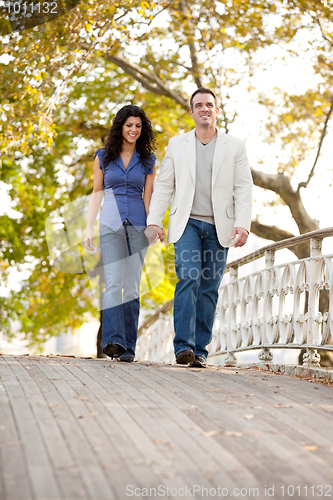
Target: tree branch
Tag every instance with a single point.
(325, 37)
(222, 108)
(159, 12)
(275, 233)
(94, 131)
(150, 81)
(190, 36)
(322, 137)
(280, 184)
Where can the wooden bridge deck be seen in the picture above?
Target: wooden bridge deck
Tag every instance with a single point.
(73, 428)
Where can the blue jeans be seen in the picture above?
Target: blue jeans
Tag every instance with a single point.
(200, 261)
(123, 253)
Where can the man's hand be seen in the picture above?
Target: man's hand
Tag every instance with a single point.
(241, 235)
(153, 233)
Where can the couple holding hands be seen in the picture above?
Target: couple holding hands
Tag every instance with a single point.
(208, 175)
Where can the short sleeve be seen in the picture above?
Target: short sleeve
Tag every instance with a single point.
(100, 155)
(152, 163)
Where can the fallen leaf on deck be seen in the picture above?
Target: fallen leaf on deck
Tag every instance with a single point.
(280, 405)
(305, 374)
(167, 475)
(233, 433)
(248, 417)
(310, 448)
(211, 433)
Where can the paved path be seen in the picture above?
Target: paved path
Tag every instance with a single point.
(73, 428)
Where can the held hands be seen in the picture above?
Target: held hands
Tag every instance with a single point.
(153, 233)
(241, 235)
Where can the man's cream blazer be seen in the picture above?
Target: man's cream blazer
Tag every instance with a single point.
(231, 186)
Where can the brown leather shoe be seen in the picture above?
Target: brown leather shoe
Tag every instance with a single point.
(185, 357)
(199, 362)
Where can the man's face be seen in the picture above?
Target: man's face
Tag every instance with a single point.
(204, 110)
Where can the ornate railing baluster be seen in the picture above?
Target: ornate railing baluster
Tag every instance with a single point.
(232, 330)
(265, 354)
(311, 357)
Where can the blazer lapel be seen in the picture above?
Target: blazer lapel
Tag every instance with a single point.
(220, 151)
(190, 153)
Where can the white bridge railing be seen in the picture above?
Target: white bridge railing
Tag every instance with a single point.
(281, 306)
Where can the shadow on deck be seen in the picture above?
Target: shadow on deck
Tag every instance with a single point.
(73, 428)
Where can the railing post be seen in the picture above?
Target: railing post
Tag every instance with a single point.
(162, 338)
(144, 345)
(231, 358)
(311, 357)
(265, 354)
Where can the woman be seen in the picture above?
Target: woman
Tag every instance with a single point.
(125, 170)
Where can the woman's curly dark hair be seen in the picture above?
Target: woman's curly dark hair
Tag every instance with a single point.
(145, 145)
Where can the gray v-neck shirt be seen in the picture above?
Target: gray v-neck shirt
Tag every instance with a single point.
(202, 208)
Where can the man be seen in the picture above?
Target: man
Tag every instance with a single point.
(208, 173)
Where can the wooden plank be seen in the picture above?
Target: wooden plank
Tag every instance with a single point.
(53, 439)
(102, 442)
(136, 436)
(68, 412)
(206, 467)
(267, 396)
(227, 468)
(14, 480)
(148, 416)
(148, 425)
(106, 438)
(219, 415)
(287, 406)
(44, 483)
(68, 478)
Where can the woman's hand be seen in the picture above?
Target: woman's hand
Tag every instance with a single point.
(88, 239)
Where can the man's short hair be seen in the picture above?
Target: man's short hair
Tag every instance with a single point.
(202, 90)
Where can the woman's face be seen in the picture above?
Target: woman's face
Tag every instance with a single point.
(132, 129)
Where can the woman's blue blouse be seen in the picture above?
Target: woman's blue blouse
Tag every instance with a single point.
(123, 191)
